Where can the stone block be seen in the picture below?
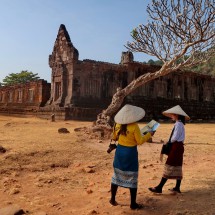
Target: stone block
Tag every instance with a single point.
(11, 210)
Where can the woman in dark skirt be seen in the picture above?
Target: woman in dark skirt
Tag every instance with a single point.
(174, 162)
(125, 164)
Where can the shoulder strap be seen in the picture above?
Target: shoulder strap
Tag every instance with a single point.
(171, 134)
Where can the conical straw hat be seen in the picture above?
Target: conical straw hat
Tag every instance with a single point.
(175, 110)
(129, 114)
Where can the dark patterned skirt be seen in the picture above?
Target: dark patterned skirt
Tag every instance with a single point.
(173, 166)
(125, 167)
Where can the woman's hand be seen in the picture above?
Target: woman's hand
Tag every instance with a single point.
(152, 133)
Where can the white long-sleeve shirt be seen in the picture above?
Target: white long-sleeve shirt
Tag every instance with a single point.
(179, 132)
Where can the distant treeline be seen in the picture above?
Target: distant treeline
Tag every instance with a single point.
(205, 68)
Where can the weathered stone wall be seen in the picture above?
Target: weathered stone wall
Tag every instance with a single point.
(81, 89)
(86, 87)
(194, 92)
(24, 98)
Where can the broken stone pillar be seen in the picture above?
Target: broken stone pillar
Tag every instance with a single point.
(127, 57)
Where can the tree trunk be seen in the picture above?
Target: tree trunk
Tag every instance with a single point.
(104, 118)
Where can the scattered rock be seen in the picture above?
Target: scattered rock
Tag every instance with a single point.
(55, 204)
(77, 129)
(62, 164)
(38, 184)
(14, 191)
(92, 212)
(63, 178)
(53, 118)
(63, 131)
(99, 132)
(7, 124)
(2, 149)
(91, 166)
(89, 191)
(49, 181)
(95, 129)
(92, 184)
(12, 210)
(77, 164)
(89, 170)
(15, 174)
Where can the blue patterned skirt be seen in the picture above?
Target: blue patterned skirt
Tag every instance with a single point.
(125, 167)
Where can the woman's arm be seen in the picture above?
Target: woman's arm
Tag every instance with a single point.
(178, 134)
(138, 136)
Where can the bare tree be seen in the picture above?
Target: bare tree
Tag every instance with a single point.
(180, 33)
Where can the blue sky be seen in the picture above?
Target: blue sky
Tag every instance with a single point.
(99, 29)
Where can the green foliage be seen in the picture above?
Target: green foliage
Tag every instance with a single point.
(20, 78)
(206, 68)
(134, 33)
(156, 62)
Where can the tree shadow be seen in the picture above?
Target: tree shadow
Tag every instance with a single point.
(207, 144)
(195, 201)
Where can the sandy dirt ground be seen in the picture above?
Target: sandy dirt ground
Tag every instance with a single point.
(62, 174)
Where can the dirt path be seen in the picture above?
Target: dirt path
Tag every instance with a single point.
(70, 173)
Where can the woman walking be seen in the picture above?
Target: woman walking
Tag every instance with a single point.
(173, 165)
(125, 163)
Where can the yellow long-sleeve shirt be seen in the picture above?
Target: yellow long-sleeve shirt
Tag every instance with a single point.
(133, 136)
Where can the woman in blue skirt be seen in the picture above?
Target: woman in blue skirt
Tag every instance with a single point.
(125, 164)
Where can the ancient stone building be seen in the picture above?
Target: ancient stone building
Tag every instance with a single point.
(24, 99)
(85, 87)
(80, 89)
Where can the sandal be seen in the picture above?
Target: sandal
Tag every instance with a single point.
(175, 190)
(136, 206)
(155, 190)
(114, 203)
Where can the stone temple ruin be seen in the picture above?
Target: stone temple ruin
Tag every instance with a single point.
(80, 89)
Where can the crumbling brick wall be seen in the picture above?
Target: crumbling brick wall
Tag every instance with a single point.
(21, 98)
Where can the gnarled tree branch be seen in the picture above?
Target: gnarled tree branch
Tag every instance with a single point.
(180, 33)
